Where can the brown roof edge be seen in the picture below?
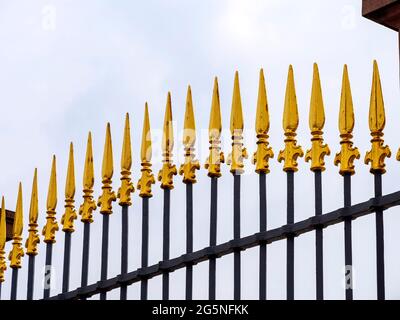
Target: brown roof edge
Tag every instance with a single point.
(384, 12)
(9, 223)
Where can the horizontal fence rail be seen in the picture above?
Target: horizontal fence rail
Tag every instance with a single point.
(289, 157)
(266, 237)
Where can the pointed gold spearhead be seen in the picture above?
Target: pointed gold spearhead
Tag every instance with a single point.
(290, 124)
(17, 252)
(33, 238)
(318, 150)
(376, 157)
(264, 151)
(215, 157)
(168, 169)
(239, 153)
(89, 205)
(188, 169)
(147, 177)
(348, 153)
(3, 237)
(51, 226)
(108, 195)
(124, 192)
(69, 215)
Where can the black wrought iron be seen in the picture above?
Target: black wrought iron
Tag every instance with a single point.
(166, 239)
(48, 270)
(85, 254)
(31, 275)
(236, 235)
(380, 248)
(67, 259)
(289, 230)
(290, 238)
(145, 246)
(213, 237)
(348, 251)
(14, 284)
(319, 245)
(263, 246)
(189, 239)
(104, 253)
(124, 248)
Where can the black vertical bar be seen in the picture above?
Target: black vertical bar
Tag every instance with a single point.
(14, 284)
(380, 241)
(189, 239)
(31, 273)
(67, 259)
(1, 285)
(47, 284)
(145, 245)
(213, 238)
(263, 227)
(104, 253)
(124, 249)
(290, 239)
(348, 251)
(236, 235)
(319, 246)
(85, 254)
(166, 229)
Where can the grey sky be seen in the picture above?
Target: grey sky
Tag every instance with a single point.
(67, 67)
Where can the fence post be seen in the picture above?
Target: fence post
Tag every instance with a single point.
(289, 155)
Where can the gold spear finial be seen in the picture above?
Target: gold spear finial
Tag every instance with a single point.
(108, 195)
(17, 251)
(89, 205)
(147, 178)
(124, 192)
(51, 226)
(264, 151)
(3, 237)
(376, 157)
(348, 153)
(188, 169)
(168, 169)
(318, 150)
(290, 124)
(239, 153)
(216, 157)
(33, 238)
(70, 215)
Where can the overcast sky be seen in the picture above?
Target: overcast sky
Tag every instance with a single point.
(67, 67)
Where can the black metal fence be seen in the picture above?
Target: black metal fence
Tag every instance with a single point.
(316, 223)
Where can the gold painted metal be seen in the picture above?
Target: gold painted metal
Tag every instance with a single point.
(124, 192)
(17, 252)
(239, 153)
(264, 151)
(70, 215)
(89, 205)
(51, 226)
(147, 177)
(168, 169)
(318, 150)
(377, 120)
(3, 237)
(348, 153)
(188, 169)
(33, 238)
(216, 157)
(108, 195)
(290, 124)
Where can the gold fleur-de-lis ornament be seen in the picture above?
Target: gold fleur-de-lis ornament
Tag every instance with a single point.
(290, 124)
(348, 154)
(188, 169)
(316, 155)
